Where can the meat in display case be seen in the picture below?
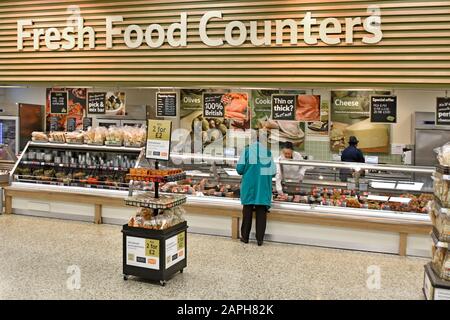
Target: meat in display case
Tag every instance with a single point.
(60, 164)
(394, 191)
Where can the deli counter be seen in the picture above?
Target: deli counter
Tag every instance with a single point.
(380, 208)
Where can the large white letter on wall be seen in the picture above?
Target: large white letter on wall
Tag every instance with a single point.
(110, 31)
(21, 34)
(203, 26)
(373, 25)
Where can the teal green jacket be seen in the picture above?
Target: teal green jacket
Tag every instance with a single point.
(257, 169)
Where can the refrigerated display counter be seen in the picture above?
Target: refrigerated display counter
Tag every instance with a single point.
(380, 208)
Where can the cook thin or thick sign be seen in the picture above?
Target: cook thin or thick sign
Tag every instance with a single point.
(284, 107)
(443, 111)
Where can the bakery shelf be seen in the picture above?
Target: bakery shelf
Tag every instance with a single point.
(74, 166)
(148, 200)
(437, 242)
(71, 182)
(84, 147)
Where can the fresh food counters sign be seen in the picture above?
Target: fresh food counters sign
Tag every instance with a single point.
(235, 33)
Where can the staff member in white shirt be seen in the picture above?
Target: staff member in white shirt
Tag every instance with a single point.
(291, 172)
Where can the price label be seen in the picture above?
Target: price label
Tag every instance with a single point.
(158, 139)
(71, 124)
(383, 109)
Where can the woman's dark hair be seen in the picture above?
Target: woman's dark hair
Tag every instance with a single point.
(287, 145)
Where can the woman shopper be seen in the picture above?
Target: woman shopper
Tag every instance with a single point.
(257, 168)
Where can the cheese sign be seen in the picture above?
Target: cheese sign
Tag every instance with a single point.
(58, 102)
(443, 111)
(159, 134)
(284, 107)
(383, 109)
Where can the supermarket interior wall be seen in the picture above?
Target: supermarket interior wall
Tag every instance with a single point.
(414, 50)
(409, 101)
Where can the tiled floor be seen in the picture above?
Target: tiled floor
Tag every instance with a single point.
(35, 254)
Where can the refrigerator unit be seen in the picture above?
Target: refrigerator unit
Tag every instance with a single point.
(427, 137)
(9, 127)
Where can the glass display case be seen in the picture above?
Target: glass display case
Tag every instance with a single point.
(72, 165)
(368, 189)
(7, 162)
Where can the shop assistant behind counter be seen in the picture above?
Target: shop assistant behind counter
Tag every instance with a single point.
(351, 154)
(292, 172)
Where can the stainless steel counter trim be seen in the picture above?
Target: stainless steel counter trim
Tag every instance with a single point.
(234, 204)
(83, 147)
(327, 164)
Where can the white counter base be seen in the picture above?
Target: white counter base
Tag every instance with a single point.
(293, 233)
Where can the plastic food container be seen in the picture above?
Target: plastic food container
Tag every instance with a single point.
(441, 260)
(441, 222)
(441, 188)
(48, 157)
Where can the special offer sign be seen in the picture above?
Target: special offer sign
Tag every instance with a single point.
(159, 134)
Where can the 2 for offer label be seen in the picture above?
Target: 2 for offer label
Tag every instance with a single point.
(143, 253)
(158, 139)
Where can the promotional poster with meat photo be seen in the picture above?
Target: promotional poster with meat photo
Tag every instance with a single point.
(308, 108)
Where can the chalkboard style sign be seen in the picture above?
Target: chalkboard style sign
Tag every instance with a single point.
(383, 109)
(283, 107)
(87, 123)
(71, 124)
(443, 111)
(58, 102)
(166, 104)
(96, 102)
(54, 123)
(213, 106)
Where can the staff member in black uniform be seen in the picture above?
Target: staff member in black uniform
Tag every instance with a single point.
(351, 154)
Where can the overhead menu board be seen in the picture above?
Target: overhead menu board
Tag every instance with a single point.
(443, 111)
(213, 106)
(284, 107)
(166, 104)
(96, 102)
(58, 102)
(383, 109)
